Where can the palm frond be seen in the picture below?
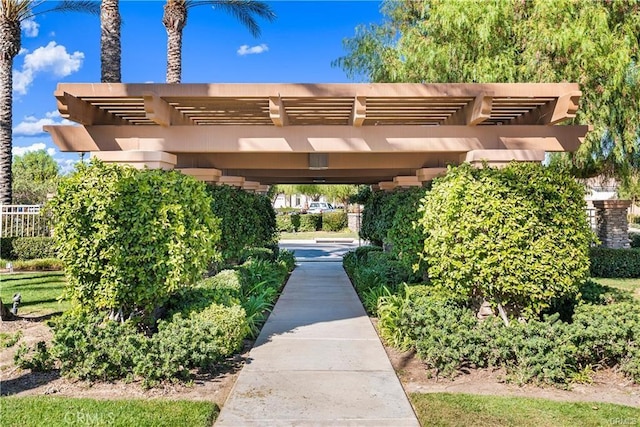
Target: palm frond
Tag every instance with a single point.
(17, 10)
(86, 6)
(244, 11)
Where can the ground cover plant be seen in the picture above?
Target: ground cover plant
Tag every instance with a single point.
(500, 293)
(57, 411)
(203, 325)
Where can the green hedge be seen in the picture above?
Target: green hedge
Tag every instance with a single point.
(247, 220)
(619, 263)
(284, 224)
(25, 248)
(310, 222)
(334, 221)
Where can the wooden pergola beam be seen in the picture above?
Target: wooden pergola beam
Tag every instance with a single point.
(562, 108)
(79, 111)
(312, 139)
(265, 90)
(359, 113)
(474, 113)
(277, 112)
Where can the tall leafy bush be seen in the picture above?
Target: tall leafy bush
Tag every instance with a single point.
(405, 235)
(129, 238)
(517, 236)
(247, 220)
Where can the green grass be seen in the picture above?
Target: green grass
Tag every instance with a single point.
(310, 235)
(445, 409)
(57, 411)
(631, 285)
(40, 292)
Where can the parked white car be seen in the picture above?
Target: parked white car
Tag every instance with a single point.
(319, 207)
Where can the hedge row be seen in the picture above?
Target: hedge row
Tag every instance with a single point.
(27, 248)
(620, 263)
(327, 221)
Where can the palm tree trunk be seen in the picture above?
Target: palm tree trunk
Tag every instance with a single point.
(174, 56)
(174, 20)
(9, 47)
(110, 46)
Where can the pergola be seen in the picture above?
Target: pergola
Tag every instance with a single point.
(253, 135)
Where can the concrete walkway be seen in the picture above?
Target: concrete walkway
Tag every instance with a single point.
(318, 361)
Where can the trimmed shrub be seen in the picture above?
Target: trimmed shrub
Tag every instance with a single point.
(380, 211)
(295, 221)
(516, 236)
(247, 220)
(634, 240)
(619, 263)
(25, 248)
(334, 221)
(91, 348)
(310, 222)
(284, 224)
(6, 248)
(405, 235)
(130, 238)
(196, 342)
(224, 288)
(265, 254)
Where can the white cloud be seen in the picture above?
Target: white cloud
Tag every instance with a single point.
(21, 151)
(23, 51)
(245, 49)
(52, 58)
(30, 27)
(33, 126)
(66, 165)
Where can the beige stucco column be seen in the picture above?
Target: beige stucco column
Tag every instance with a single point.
(612, 226)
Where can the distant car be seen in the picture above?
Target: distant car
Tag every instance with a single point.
(319, 207)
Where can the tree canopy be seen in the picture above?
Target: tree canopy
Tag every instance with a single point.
(593, 43)
(35, 174)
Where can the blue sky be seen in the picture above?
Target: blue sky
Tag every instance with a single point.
(65, 47)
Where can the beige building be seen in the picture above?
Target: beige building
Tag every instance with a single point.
(255, 135)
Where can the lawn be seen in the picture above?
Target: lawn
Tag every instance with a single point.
(445, 409)
(310, 235)
(56, 411)
(631, 285)
(40, 292)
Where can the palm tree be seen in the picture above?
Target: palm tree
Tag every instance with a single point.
(12, 14)
(175, 19)
(110, 46)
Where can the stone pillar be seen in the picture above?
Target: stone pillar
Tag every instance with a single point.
(612, 227)
(354, 221)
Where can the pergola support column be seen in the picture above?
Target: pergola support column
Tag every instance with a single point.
(612, 226)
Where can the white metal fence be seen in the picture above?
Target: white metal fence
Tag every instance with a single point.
(23, 221)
